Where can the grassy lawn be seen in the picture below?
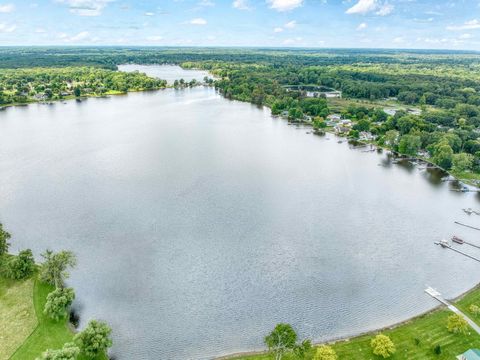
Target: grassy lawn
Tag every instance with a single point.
(414, 340)
(472, 298)
(49, 334)
(17, 315)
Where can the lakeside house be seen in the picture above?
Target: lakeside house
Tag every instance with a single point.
(472, 354)
(366, 136)
(343, 126)
(333, 119)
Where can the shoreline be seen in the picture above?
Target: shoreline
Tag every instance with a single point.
(338, 340)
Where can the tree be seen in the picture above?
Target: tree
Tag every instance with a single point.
(325, 352)
(77, 91)
(391, 138)
(21, 266)
(281, 340)
(54, 269)
(409, 144)
(382, 346)
(58, 302)
(462, 162)
(94, 339)
(443, 155)
(457, 324)
(69, 352)
(302, 350)
(4, 237)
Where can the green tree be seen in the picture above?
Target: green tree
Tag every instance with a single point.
(4, 237)
(409, 144)
(443, 155)
(58, 303)
(462, 162)
(54, 268)
(281, 340)
(382, 346)
(77, 91)
(391, 138)
(69, 352)
(94, 339)
(303, 349)
(20, 266)
(457, 324)
(325, 352)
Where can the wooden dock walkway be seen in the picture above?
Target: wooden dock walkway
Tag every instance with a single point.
(469, 226)
(437, 296)
(445, 246)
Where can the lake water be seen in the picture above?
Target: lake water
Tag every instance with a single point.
(167, 72)
(199, 223)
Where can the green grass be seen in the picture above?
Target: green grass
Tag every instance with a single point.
(49, 334)
(17, 314)
(430, 330)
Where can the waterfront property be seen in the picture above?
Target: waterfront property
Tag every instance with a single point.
(472, 354)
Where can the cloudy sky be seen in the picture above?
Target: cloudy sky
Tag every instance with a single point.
(430, 24)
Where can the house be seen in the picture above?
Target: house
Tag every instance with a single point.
(366, 136)
(390, 112)
(343, 126)
(472, 354)
(333, 119)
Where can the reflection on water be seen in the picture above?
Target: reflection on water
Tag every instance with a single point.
(199, 223)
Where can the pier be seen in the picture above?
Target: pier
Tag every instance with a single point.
(469, 226)
(446, 245)
(437, 296)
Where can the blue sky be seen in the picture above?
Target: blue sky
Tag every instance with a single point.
(423, 24)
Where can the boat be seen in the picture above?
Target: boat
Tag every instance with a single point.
(457, 240)
(444, 243)
(468, 211)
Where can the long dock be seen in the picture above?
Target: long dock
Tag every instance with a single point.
(437, 296)
(469, 226)
(445, 246)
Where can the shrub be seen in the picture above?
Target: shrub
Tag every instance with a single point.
(20, 266)
(474, 309)
(325, 352)
(69, 352)
(437, 349)
(457, 324)
(382, 346)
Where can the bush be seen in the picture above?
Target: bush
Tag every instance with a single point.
(4, 244)
(325, 352)
(69, 352)
(382, 346)
(94, 339)
(437, 349)
(20, 266)
(474, 309)
(457, 324)
(58, 302)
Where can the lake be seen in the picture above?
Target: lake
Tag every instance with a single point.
(199, 223)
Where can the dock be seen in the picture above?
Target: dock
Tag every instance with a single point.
(437, 296)
(446, 245)
(469, 226)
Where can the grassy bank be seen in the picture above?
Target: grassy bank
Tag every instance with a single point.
(25, 332)
(414, 339)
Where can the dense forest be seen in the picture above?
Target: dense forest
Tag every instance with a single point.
(443, 85)
(41, 84)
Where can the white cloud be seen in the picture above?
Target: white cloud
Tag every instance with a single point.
(241, 5)
(465, 36)
(362, 26)
(363, 7)
(468, 25)
(40, 31)
(6, 8)
(381, 8)
(385, 9)
(85, 7)
(149, 14)
(399, 40)
(278, 30)
(198, 21)
(284, 5)
(291, 24)
(207, 3)
(79, 37)
(6, 28)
